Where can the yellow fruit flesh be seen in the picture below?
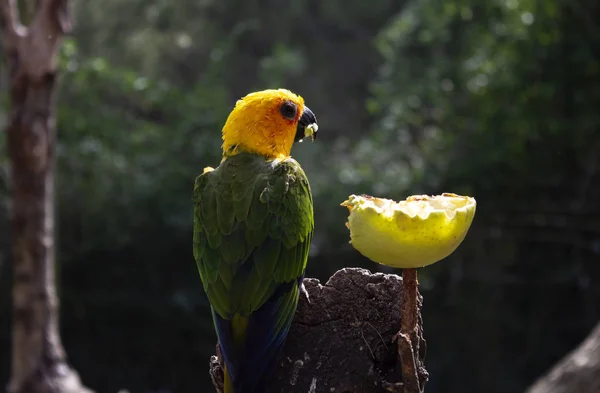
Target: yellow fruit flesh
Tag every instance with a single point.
(416, 232)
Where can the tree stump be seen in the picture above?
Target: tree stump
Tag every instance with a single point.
(343, 338)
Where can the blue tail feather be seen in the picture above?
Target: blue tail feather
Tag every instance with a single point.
(250, 365)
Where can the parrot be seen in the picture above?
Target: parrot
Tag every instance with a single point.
(253, 227)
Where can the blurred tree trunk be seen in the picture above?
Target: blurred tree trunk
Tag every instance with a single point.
(579, 371)
(38, 359)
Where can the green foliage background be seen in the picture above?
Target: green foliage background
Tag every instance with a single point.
(496, 99)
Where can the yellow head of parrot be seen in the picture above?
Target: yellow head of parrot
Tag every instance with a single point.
(416, 232)
(268, 122)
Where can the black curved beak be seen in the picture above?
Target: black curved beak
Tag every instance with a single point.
(307, 126)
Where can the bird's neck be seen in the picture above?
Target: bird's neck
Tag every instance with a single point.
(269, 144)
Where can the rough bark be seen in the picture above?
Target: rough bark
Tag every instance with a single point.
(414, 375)
(579, 371)
(39, 362)
(343, 338)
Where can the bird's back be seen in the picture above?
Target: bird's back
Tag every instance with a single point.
(253, 224)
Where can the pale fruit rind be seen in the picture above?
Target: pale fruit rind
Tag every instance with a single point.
(413, 233)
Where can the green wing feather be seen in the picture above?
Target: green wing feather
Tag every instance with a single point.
(253, 224)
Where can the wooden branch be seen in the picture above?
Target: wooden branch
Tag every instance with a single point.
(343, 340)
(579, 371)
(410, 336)
(10, 24)
(410, 377)
(61, 11)
(31, 52)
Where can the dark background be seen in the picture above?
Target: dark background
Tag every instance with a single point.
(498, 100)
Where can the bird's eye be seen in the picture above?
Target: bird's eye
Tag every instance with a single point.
(288, 110)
